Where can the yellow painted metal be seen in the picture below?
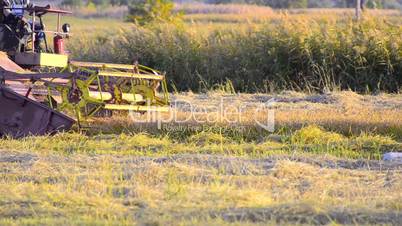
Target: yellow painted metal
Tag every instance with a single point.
(112, 66)
(115, 87)
(42, 59)
(102, 65)
(108, 96)
(131, 75)
(137, 108)
(53, 60)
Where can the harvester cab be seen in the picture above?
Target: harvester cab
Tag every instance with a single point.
(24, 37)
(32, 71)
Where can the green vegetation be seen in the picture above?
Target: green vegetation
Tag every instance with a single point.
(151, 11)
(310, 140)
(76, 3)
(285, 52)
(255, 48)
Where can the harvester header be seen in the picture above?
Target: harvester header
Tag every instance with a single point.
(45, 91)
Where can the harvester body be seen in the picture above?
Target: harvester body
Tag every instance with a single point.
(36, 79)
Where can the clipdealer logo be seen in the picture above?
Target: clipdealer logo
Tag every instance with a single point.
(226, 111)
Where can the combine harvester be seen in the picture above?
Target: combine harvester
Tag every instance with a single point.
(42, 90)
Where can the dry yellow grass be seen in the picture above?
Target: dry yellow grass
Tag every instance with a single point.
(211, 177)
(48, 189)
(344, 112)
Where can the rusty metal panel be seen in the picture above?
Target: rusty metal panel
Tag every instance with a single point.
(8, 65)
(21, 116)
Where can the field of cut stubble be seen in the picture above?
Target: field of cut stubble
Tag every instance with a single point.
(322, 165)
